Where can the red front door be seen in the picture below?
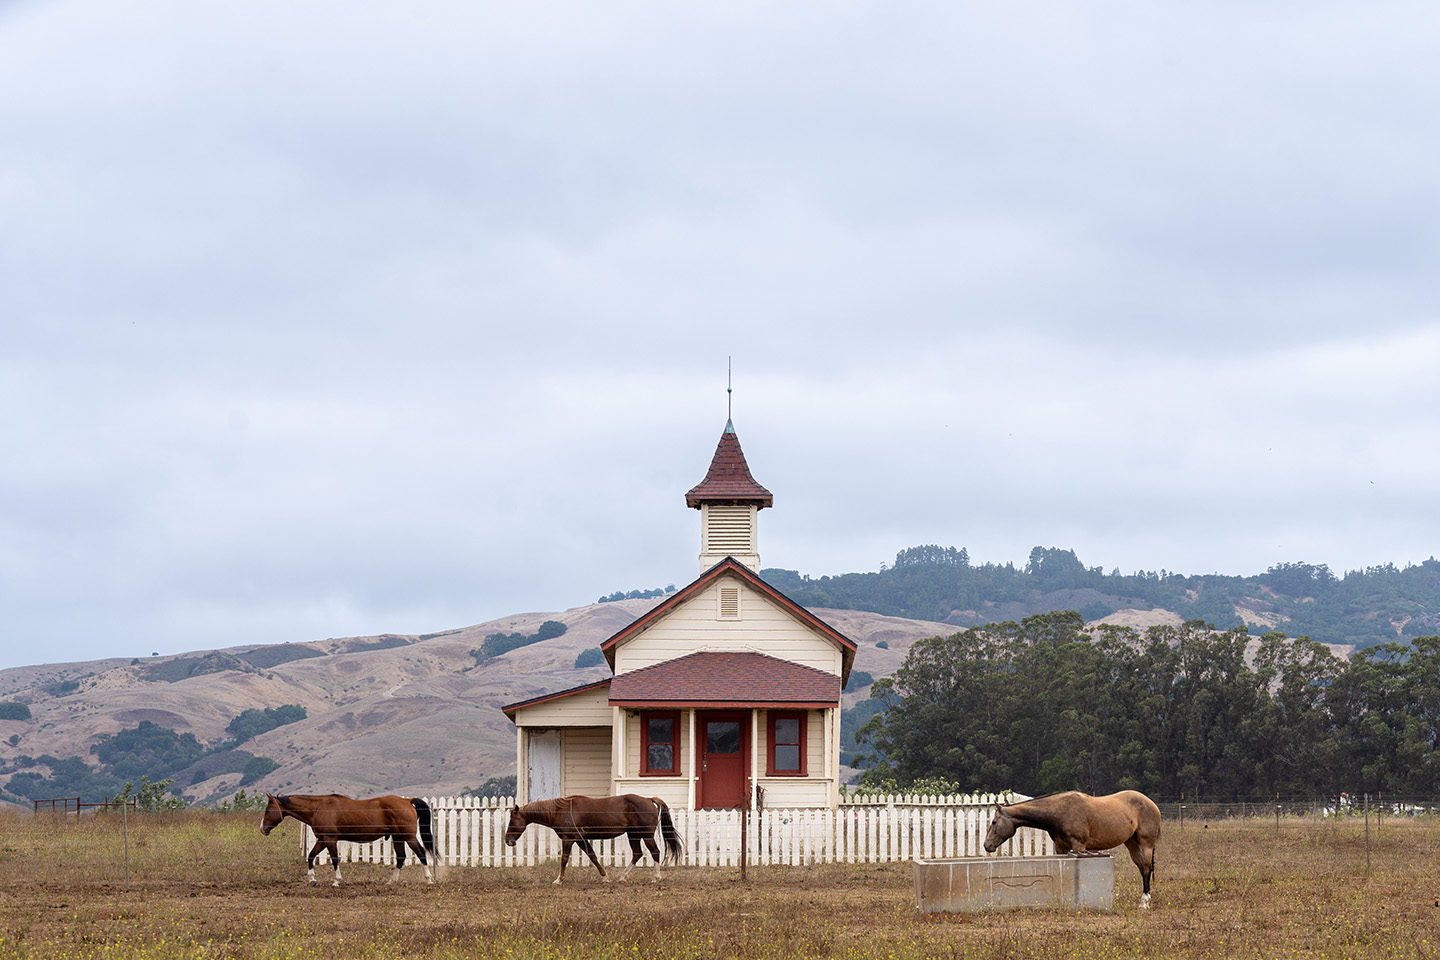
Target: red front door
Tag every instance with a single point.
(723, 747)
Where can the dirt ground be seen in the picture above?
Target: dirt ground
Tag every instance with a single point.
(216, 889)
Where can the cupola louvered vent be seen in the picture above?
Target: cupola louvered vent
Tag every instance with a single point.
(730, 530)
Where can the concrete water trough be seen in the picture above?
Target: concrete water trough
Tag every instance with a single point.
(1083, 881)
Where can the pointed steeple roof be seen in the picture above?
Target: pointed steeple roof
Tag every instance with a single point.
(729, 480)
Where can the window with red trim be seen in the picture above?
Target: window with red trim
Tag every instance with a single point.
(786, 738)
(660, 743)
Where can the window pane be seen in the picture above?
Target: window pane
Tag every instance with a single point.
(787, 757)
(662, 756)
(662, 729)
(722, 737)
(787, 730)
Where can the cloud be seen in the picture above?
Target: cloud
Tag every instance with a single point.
(332, 320)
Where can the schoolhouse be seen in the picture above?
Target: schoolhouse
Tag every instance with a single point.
(724, 692)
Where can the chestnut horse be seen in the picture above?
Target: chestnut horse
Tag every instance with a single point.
(1078, 822)
(579, 820)
(333, 818)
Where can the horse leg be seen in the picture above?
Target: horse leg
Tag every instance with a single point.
(333, 848)
(565, 846)
(590, 852)
(654, 849)
(635, 854)
(310, 860)
(1144, 856)
(419, 849)
(399, 844)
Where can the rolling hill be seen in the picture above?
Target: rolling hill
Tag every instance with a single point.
(415, 715)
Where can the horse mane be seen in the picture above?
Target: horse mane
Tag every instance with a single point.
(550, 806)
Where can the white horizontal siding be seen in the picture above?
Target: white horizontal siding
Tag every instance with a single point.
(763, 626)
(586, 763)
(584, 708)
(673, 790)
(796, 792)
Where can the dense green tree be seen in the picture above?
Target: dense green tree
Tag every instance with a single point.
(257, 767)
(589, 657)
(147, 749)
(1302, 754)
(496, 644)
(1046, 704)
(939, 710)
(252, 723)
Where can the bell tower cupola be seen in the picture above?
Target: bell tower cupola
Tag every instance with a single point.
(729, 501)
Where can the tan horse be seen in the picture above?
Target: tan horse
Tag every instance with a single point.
(333, 818)
(1078, 822)
(579, 820)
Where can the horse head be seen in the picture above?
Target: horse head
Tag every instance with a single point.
(1002, 828)
(516, 827)
(274, 813)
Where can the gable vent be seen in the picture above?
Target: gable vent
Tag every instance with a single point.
(729, 603)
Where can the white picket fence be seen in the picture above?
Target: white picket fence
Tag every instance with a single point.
(470, 832)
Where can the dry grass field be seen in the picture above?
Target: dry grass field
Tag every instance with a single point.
(208, 885)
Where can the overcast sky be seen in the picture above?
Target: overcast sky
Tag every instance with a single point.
(331, 319)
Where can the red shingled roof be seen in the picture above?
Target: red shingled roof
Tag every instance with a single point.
(712, 679)
(729, 479)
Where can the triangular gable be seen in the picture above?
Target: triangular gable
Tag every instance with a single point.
(732, 567)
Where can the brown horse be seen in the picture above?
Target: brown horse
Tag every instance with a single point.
(1078, 822)
(333, 818)
(579, 820)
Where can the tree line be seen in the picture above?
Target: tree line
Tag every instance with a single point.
(154, 756)
(1363, 607)
(1044, 704)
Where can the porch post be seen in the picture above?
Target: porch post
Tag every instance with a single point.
(754, 759)
(694, 744)
(618, 748)
(522, 765)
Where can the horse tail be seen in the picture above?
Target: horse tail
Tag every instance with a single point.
(425, 827)
(674, 846)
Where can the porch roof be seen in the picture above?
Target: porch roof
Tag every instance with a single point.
(715, 679)
(510, 709)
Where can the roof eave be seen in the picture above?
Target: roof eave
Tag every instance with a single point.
(511, 709)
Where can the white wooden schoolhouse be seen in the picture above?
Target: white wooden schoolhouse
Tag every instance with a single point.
(725, 691)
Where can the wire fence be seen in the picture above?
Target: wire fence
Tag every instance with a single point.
(1319, 809)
